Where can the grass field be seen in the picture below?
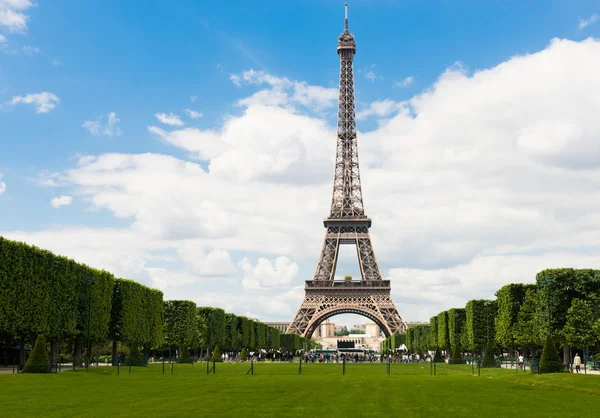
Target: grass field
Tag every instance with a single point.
(277, 390)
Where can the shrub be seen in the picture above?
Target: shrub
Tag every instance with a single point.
(456, 357)
(38, 360)
(216, 354)
(550, 361)
(437, 357)
(244, 354)
(134, 358)
(488, 357)
(184, 357)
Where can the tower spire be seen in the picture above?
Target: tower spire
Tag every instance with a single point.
(346, 18)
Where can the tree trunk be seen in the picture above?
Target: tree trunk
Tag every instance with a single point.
(6, 344)
(566, 353)
(22, 351)
(77, 357)
(114, 353)
(53, 350)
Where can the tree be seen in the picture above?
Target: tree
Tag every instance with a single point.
(134, 357)
(510, 298)
(597, 328)
(38, 360)
(456, 327)
(244, 354)
(433, 335)
(480, 317)
(216, 354)
(578, 328)
(488, 357)
(525, 330)
(443, 339)
(232, 340)
(184, 356)
(180, 323)
(550, 361)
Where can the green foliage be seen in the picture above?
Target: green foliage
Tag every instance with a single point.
(488, 358)
(433, 335)
(215, 325)
(457, 326)
(134, 357)
(410, 339)
(232, 339)
(578, 328)
(456, 356)
(38, 359)
(525, 330)
(184, 356)
(290, 342)
(558, 287)
(252, 333)
(596, 329)
(347, 277)
(510, 299)
(443, 338)
(244, 354)
(137, 313)
(216, 354)
(180, 323)
(275, 338)
(437, 357)
(480, 318)
(244, 331)
(550, 361)
(261, 335)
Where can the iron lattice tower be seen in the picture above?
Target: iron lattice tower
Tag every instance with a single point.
(347, 224)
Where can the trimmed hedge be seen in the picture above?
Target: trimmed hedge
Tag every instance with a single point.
(38, 359)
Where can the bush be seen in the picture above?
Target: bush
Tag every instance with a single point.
(38, 360)
(216, 354)
(550, 361)
(488, 358)
(456, 357)
(134, 358)
(184, 357)
(244, 354)
(437, 357)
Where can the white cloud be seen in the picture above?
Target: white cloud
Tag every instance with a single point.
(55, 62)
(381, 109)
(193, 99)
(109, 128)
(2, 39)
(285, 92)
(193, 113)
(44, 101)
(587, 22)
(235, 79)
(488, 177)
(57, 202)
(2, 184)
(170, 119)
(370, 75)
(12, 16)
(405, 83)
(30, 50)
(267, 273)
(92, 126)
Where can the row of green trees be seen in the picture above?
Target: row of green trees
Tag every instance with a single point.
(563, 305)
(45, 294)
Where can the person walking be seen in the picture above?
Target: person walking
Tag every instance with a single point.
(577, 362)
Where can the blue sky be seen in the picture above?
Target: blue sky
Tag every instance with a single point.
(137, 59)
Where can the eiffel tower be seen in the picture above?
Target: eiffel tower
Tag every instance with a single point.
(347, 224)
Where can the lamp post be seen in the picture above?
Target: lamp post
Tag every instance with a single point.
(90, 283)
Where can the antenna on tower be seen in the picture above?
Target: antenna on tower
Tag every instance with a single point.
(346, 17)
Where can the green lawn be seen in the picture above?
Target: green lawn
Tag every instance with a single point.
(277, 390)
